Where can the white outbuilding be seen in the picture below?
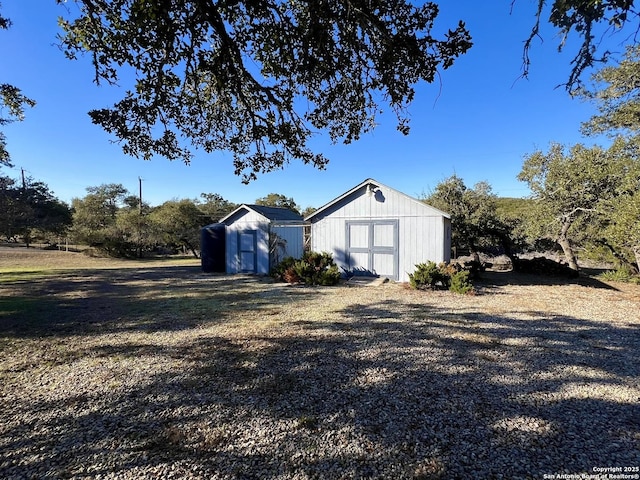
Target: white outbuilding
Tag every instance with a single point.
(373, 229)
(259, 237)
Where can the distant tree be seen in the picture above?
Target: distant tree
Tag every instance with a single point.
(474, 222)
(10, 208)
(133, 228)
(47, 215)
(308, 211)
(31, 211)
(94, 218)
(278, 200)
(512, 208)
(215, 207)
(178, 223)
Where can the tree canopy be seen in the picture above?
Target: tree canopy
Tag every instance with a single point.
(617, 97)
(571, 186)
(474, 220)
(31, 211)
(278, 200)
(257, 78)
(582, 19)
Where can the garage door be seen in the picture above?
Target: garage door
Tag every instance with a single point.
(372, 248)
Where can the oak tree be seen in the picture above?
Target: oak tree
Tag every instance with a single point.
(591, 22)
(214, 206)
(568, 186)
(177, 223)
(257, 78)
(474, 221)
(278, 200)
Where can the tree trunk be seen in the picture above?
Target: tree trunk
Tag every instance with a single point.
(188, 245)
(636, 252)
(563, 241)
(506, 243)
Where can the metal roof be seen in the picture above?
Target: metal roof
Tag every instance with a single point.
(275, 214)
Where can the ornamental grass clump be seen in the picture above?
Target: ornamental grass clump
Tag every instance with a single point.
(621, 274)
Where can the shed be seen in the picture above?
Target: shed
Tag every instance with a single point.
(375, 230)
(259, 237)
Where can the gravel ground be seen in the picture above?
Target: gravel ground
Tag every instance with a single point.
(171, 373)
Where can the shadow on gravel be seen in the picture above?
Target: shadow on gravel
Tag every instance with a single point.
(103, 301)
(493, 279)
(385, 389)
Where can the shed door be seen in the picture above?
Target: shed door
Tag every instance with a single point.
(372, 248)
(248, 251)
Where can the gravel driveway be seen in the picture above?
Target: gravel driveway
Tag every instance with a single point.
(171, 373)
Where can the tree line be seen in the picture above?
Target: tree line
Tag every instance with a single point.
(230, 76)
(584, 199)
(112, 220)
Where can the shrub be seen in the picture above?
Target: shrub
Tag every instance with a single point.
(444, 276)
(620, 275)
(283, 269)
(312, 269)
(428, 275)
(460, 283)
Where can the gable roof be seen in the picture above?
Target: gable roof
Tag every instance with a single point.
(277, 214)
(373, 184)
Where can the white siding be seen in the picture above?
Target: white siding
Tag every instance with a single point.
(247, 221)
(290, 241)
(423, 232)
(234, 263)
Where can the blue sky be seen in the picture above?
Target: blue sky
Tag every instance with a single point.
(478, 121)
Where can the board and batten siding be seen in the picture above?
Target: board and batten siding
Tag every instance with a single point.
(248, 222)
(424, 232)
(292, 241)
(246, 225)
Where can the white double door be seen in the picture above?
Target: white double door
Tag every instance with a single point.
(372, 248)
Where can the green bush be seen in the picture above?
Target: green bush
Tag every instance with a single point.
(620, 275)
(460, 283)
(428, 276)
(312, 269)
(446, 276)
(279, 272)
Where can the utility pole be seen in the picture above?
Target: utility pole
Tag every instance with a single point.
(24, 183)
(140, 217)
(140, 202)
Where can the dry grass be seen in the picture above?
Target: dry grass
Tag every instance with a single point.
(17, 259)
(154, 369)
